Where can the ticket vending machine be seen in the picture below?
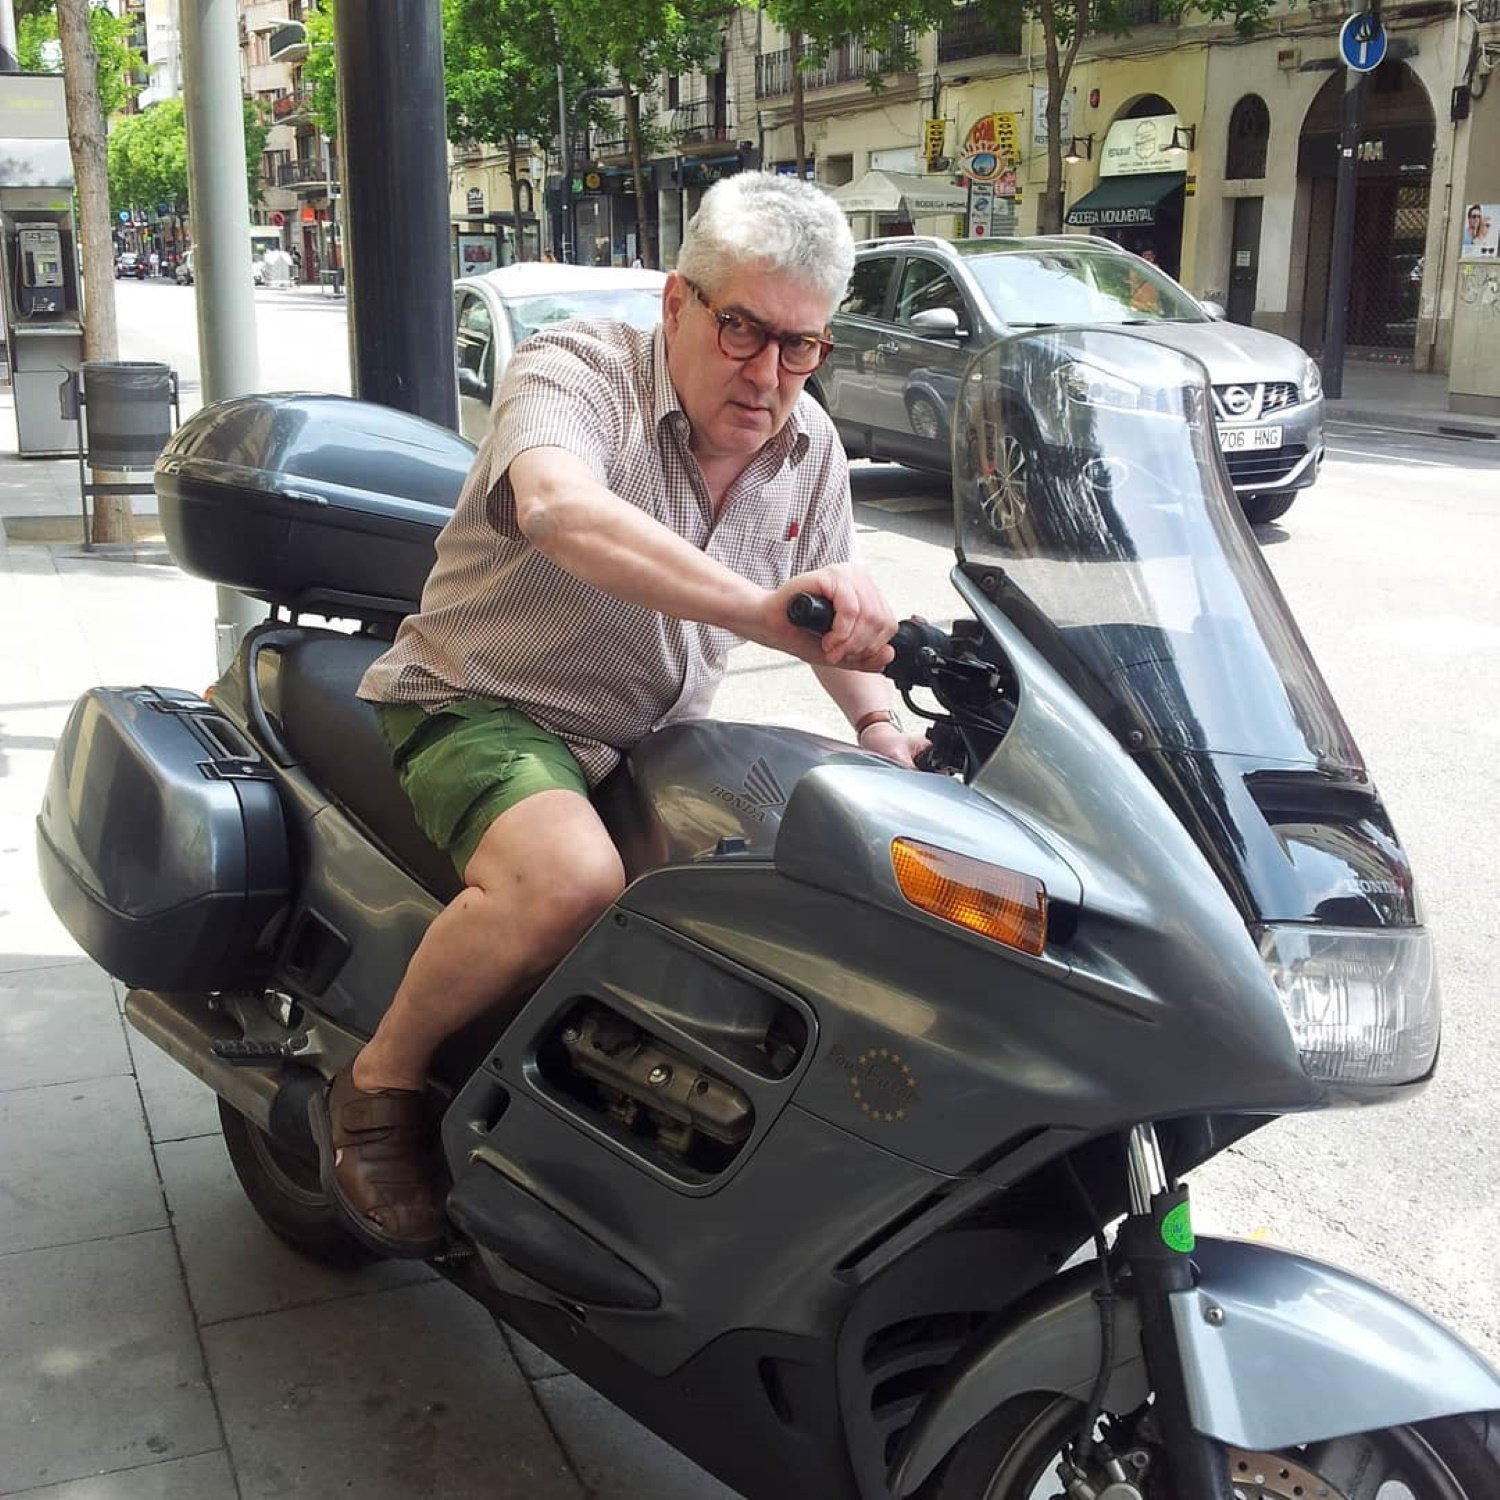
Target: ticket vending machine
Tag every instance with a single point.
(40, 294)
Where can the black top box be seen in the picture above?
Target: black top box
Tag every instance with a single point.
(320, 504)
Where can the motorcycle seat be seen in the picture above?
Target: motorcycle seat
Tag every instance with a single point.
(337, 738)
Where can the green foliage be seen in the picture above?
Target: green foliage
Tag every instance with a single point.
(38, 52)
(319, 75)
(640, 39)
(500, 58)
(888, 26)
(148, 156)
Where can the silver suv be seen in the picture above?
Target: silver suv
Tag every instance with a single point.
(918, 308)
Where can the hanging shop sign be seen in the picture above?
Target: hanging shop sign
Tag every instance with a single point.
(992, 153)
(934, 138)
(476, 203)
(1141, 145)
(1039, 98)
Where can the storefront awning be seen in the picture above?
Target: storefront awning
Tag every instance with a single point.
(1120, 202)
(905, 193)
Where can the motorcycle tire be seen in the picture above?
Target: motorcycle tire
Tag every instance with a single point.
(1013, 1455)
(284, 1190)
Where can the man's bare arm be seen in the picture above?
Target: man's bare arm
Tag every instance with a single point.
(592, 533)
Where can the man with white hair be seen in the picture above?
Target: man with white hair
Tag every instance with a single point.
(641, 502)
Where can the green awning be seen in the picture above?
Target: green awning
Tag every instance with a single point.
(1121, 202)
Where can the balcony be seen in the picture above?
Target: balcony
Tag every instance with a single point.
(288, 107)
(849, 62)
(612, 138)
(702, 122)
(1487, 10)
(305, 174)
(970, 34)
(1133, 13)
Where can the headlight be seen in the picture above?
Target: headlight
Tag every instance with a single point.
(1312, 381)
(1362, 1004)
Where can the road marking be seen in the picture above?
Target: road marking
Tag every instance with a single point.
(1397, 459)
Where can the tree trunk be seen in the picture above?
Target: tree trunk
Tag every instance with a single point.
(799, 106)
(113, 519)
(513, 171)
(645, 240)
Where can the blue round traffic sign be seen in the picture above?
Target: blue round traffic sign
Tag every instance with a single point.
(1363, 42)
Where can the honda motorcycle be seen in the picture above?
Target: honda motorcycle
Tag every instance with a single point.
(848, 1150)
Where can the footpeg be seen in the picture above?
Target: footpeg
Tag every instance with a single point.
(241, 1053)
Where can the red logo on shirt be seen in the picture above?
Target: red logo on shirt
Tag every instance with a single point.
(792, 529)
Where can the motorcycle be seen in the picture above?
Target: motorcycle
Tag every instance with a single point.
(848, 1150)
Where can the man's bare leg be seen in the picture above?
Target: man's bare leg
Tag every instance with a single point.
(543, 872)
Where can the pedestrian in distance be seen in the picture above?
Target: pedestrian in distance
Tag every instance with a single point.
(610, 545)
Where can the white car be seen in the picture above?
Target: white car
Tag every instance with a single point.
(494, 312)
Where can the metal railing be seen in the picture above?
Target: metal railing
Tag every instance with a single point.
(849, 62)
(701, 121)
(1487, 10)
(299, 173)
(1133, 13)
(283, 106)
(970, 34)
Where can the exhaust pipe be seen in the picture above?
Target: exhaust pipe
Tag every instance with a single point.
(185, 1029)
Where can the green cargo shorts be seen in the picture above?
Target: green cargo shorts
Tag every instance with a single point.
(464, 765)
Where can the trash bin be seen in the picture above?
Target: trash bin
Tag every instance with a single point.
(127, 405)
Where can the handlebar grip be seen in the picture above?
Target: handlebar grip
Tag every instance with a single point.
(811, 612)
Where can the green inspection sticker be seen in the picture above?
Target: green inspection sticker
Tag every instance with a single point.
(1177, 1229)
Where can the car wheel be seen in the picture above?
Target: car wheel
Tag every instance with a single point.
(1260, 510)
(926, 419)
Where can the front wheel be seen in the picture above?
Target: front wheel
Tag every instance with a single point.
(1015, 1452)
(285, 1191)
(1260, 510)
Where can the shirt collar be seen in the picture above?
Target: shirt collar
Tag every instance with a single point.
(790, 445)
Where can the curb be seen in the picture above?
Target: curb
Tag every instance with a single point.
(1444, 423)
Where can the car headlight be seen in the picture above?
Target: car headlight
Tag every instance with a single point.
(1312, 381)
(1362, 1003)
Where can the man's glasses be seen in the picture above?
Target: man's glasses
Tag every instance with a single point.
(743, 338)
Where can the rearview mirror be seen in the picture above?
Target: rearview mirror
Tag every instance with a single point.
(938, 323)
(1215, 310)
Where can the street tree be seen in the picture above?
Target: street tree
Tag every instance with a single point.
(39, 50)
(500, 61)
(638, 41)
(319, 75)
(148, 162)
(1065, 25)
(113, 519)
(886, 28)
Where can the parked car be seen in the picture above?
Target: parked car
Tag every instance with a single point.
(183, 272)
(496, 311)
(130, 263)
(918, 308)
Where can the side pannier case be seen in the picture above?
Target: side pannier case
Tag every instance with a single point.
(161, 842)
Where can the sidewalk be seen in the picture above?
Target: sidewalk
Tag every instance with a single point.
(1396, 398)
(160, 1344)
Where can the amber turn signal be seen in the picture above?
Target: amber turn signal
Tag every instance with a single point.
(1004, 905)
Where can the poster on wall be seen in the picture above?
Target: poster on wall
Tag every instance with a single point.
(981, 210)
(476, 253)
(1039, 97)
(1481, 236)
(992, 153)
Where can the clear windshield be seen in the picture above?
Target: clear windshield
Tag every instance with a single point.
(1086, 474)
(638, 306)
(1035, 289)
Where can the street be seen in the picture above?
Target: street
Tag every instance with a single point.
(1388, 564)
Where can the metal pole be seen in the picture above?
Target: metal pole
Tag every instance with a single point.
(565, 156)
(9, 61)
(1337, 311)
(227, 350)
(395, 205)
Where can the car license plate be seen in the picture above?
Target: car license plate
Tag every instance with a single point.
(1248, 439)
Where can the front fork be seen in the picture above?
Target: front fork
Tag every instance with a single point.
(1155, 1241)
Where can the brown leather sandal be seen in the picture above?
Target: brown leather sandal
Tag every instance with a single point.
(377, 1166)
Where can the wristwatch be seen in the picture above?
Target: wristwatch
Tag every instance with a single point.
(876, 716)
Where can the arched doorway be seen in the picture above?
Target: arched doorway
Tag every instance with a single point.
(1390, 211)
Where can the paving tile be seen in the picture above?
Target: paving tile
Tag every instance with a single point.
(31, 937)
(615, 1456)
(178, 1104)
(75, 1165)
(204, 1477)
(58, 1025)
(401, 1394)
(102, 1366)
(235, 1266)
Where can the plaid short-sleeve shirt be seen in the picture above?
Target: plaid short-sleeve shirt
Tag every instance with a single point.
(499, 619)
